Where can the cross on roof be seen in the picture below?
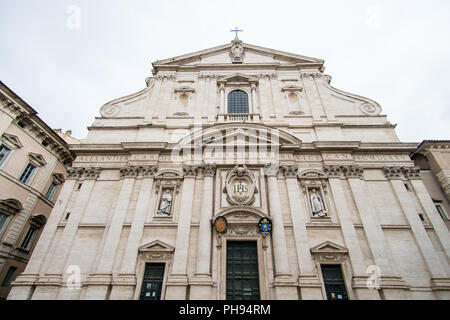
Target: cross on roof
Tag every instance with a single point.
(236, 30)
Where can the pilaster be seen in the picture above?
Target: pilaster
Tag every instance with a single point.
(358, 263)
(176, 287)
(310, 286)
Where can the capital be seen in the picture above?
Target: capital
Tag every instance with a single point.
(352, 171)
(411, 172)
(190, 171)
(289, 171)
(271, 169)
(393, 172)
(333, 171)
(209, 169)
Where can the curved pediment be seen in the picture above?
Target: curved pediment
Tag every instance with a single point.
(241, 214)
(242, 134)
(312, 174)
(237, 78)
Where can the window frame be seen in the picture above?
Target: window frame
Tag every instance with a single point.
(6, 156)
(31, 176)
(51, 191)
(29, 238)
(228, 100)
(5, 223)
(441, 212)
(8, 277)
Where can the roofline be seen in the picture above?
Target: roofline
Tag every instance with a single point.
(33, 115)
(310, 60)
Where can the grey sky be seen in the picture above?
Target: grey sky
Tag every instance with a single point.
(394, 52)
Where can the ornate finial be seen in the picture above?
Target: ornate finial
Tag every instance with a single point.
(236, 30)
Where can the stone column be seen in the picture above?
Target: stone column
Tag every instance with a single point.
(49, 284)
(21, 290)
(358, 263)
(437, 270)
(221, 100)
(201, 285)
(278, 109)
(177, 283)
(310, 286)
(392, 284)
(125, 283)
(152, 110)
(283, 282)
(255, 106)
(310, 89)
(99, 281)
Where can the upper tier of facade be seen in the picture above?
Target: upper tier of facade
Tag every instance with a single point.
(277, 89)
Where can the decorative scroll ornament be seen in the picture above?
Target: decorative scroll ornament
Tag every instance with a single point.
(265, 225)
(240, 186)
(109, 111)
(370, 109)
(221, 224)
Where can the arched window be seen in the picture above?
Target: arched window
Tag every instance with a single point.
(237, 102)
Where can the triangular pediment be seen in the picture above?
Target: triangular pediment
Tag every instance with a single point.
(37, 159)
(156, 246)
(238, 77)
(328, 247)
(12, 140)
(220, 55)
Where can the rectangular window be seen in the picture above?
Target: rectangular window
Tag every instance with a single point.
(152, 282)
(28, 238)
(3, 219)
(26, 175)
(51, 191)
(9, 277)
(4, 151)
(439, 209)
(334, 282)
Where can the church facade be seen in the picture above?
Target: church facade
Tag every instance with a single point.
(239, 172)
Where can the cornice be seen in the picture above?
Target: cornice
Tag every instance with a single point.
(19, 110)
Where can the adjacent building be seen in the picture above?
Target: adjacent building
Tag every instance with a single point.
(240, 172)
(433, 159)
(33, 162)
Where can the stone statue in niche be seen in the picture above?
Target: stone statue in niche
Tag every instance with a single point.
(165, 205)
(317, 207)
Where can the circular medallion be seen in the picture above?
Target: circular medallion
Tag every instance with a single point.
(221, 224)
(265, 225)
(240, 186)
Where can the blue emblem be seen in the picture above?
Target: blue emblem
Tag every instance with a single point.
(265, 225)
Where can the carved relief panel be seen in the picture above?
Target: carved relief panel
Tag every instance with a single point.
(240, 187)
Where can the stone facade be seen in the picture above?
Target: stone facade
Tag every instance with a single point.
(33, 162)
(161, 166)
